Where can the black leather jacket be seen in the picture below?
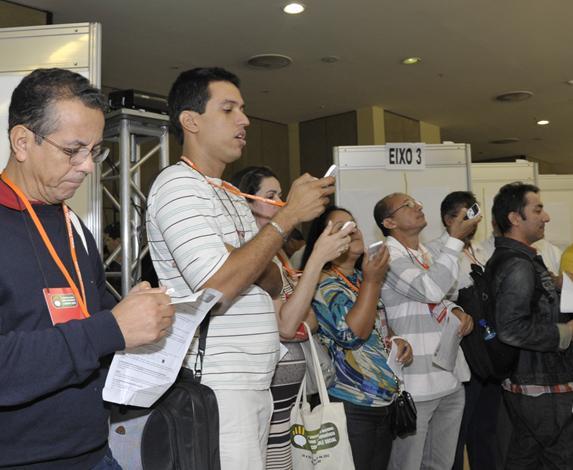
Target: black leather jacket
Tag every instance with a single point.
(527, 313)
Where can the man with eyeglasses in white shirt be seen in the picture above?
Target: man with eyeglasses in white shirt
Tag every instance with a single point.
(58, 325)
(414, 294)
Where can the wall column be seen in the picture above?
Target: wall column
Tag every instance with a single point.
(370, 126)
(430, 133)
(294, 151)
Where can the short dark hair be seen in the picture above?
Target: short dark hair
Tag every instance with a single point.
(249, 179)
(455, 201)
(316, 228)
(190, 92)
(37, 92)
(382, 210)
(510, 198)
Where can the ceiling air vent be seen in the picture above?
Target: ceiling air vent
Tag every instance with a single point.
(507, 140)
(269, 61)
(514, 96)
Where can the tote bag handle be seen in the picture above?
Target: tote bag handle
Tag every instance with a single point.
(321, 385)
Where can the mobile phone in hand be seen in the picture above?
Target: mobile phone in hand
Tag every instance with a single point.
(348, 224)
(374, 248)
(472, 212)
(330, 171)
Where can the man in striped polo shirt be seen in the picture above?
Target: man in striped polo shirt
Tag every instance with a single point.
(539, 391)
(414, 295)
(202, 234)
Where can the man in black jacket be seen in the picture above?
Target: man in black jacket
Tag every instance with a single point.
(539, 391)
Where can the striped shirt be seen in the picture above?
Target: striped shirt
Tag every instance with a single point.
(189, 221)
(471, 255)
(414, 296)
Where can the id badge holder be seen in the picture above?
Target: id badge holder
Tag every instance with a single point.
(62, 305)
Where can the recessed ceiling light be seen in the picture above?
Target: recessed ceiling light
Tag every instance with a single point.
(293, 8)
(411, 60)
(542, 122)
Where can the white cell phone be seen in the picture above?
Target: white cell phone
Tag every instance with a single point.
(373, 248)
(330, 171)
(472, 212)
(348, 224)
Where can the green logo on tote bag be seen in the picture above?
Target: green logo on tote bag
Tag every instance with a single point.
(324, 438)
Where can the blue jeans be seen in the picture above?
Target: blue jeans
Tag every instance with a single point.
(107, 463)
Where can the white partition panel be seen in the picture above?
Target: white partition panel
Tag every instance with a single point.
(73, 46)
(363, 179)
(487, 178)
(557, 196)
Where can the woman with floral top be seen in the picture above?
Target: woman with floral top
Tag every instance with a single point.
(352, 324)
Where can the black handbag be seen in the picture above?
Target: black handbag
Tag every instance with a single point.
(182, 432)
(404, 419)
(405, 414)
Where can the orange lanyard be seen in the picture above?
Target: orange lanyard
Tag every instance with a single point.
(231, 189)
(343, 278)
(80, 298)
(293, 273)
(469, 252)
(424, 264)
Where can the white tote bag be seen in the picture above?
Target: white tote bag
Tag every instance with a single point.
(319, 438)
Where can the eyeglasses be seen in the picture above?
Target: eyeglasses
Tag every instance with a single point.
(411, 203)
(80, 154)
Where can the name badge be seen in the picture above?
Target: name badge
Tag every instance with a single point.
(62, 305)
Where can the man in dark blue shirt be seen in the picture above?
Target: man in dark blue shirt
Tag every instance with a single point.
(57, 323)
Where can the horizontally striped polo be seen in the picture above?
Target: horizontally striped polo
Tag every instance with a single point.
(189, 221)
(408, 293)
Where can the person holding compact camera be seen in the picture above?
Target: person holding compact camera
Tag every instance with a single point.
(479, 420)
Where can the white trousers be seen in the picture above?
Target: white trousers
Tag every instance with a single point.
(244, 423)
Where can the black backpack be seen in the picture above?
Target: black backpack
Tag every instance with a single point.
(490, 360)
(182, 432)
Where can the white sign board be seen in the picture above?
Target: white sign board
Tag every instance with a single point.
(405, 157)
(364, 178)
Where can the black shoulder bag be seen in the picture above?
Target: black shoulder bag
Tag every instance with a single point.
(182, 432)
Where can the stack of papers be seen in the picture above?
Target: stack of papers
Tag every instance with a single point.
(139, 376)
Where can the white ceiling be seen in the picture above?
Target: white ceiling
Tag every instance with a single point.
(471, 50)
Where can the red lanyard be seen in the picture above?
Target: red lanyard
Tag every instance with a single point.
(231, 189)
(80, 298)
(293, 273)
(353, 287)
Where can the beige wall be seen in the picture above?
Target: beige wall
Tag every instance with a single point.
(267, 145)
(12, 15)
(318, 136)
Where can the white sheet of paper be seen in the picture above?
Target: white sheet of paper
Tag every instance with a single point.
(447, 350)
(393, 361)
(567, 294)
(140, 376)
